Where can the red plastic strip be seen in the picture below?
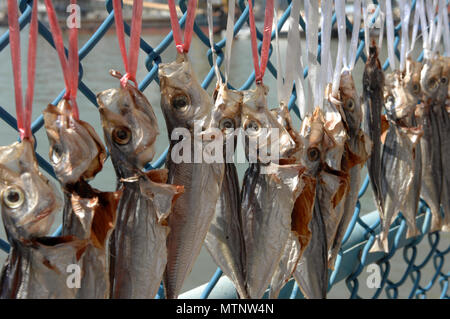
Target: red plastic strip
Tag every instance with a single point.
(260, 67)
(131, 61)
(31, 71)
(74, 67)
(23, 117)
(69, 65)
(189, 25)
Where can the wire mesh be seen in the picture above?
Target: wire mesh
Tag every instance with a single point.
(350, 271)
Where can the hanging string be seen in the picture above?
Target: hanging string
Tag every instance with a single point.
(69, 65)
(211, 40)
(342, 38)
(366, 28)
(355, 34)
(131, 61)
(438, 34)
(405, 11)
(229, 36)
(312, 27)
(382, 18)
(445, 25)
(325, 53)
(390, 34)
(260, 67)
(189, 26)
(23, 116)
(424, 28)
(284, 88)
(431, 8)
(415, 29)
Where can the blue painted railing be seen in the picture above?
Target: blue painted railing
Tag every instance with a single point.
(354, 255)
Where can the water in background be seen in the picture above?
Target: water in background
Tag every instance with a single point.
(106, 56)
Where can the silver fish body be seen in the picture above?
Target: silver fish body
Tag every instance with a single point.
(373, 85)
(77, 155)
(138, 243)
(36, 266)
(357, 150)
(224, 239)
(185, 104)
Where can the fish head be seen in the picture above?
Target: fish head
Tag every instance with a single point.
(430, 78)
(412, 77)
(315, 141)
(444, 86)
(400, 102)
(76, 151)
(183, 100)
(226, 112)
(260, 126)
(28, 199)
(129, 124)
(350, 108)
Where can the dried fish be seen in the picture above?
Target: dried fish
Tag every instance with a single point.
(373, 84)
(186, 104)
(401, 159)
(138, 244)
(36, 266)
(357, 150)
(268, 194)
(224, 239)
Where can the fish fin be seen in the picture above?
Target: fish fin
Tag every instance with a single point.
(384, 128)
(163, 197)
(97, 162)
(104, 217)
(303, 212)
(158, 175)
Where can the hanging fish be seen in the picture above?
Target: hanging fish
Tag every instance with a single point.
(357, 150)
(36, 266)
(443, 123)
(432, 171)
(321, 136)
(77, 155)
(373, 84)
(186, 104)
(268, 194)
(302, 212)
(401, 159)
(224, 239)
(138, 243)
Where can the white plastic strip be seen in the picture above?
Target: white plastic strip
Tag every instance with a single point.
(382, 19)
(355, 34)
(312, 27)
(415, 29)
(431, 9)
(438, 34)
(342, 36)
(424, 28)
(366, 27)
(390, 34)
(326, 14)
(405, 12)
(292, 52)
(280, 72)
(229, 36)
(211, 39)
(445, 26)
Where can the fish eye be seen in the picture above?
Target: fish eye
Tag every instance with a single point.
(226, 124)
(13, 197)
(252, 127)
(180, 102)
(444, 80)
(121, 135)
(391, 99)
(350, 104)
(56, 154)
(416, 88)
(313, 154)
